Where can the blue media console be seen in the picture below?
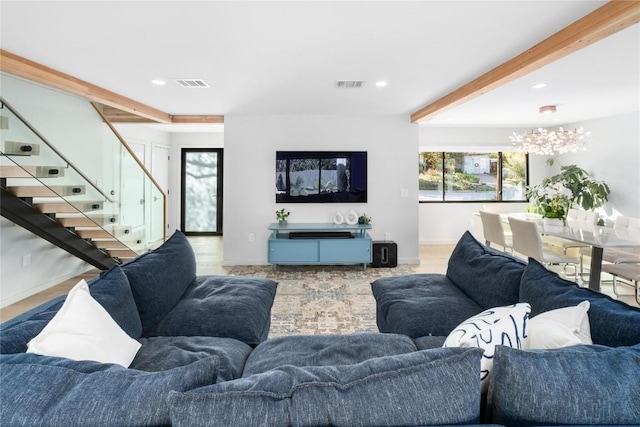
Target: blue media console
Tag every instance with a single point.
(319, 243)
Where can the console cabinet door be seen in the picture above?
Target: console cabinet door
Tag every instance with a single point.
(293, 252)
(345, 251)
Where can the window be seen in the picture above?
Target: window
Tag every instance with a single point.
(473, 176)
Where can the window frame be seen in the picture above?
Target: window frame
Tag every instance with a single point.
(499, 178)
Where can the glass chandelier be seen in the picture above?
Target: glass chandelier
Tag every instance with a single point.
(550, 142)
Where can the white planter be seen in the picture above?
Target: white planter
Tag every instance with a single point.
(553, 222)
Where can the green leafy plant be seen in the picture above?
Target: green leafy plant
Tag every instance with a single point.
(364, 219)
(586, 192)
(282, 215)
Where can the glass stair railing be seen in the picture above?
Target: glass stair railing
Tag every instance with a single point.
(100, 196)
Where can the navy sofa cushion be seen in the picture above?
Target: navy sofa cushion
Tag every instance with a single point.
(418, 305)
(162, 353)
(592, 385)
(85, 366)
(432, 387)
(425, 343)
(222, 306)
(613, 323)
(17, 332)
(324, 350)
(63, 396)
(489, 277)
(111, 289)
(160, 277)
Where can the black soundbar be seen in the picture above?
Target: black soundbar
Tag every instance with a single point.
(320, 235)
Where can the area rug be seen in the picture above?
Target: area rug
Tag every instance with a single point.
(314, 300)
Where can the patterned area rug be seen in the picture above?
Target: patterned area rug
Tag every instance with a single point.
(322, 299)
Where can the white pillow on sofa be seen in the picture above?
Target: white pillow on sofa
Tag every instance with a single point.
(83, 330)
(495, 326)
(561, 327)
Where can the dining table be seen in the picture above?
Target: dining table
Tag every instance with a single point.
(596, 236)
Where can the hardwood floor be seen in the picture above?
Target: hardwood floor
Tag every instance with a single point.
(208, 250)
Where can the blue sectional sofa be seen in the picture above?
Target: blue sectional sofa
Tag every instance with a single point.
(204, 357)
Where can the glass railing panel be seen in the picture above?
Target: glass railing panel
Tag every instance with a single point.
(72, 135)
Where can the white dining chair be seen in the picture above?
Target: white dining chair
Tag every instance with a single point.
(494, 231)
(575, 218)
(527, 241)
(628, 271)
(623, 225)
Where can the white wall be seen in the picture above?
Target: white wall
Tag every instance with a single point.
(613, 156)
(249, 178)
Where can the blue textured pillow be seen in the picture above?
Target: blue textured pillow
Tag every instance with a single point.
(222, 306)
(419, 305)
(17, 332)
(159, 278)
(573, 385)
(162, 353)
(112, 291)
(489, 277)
(325, 350)
(429, 387)
(35, 394)
(613, 323)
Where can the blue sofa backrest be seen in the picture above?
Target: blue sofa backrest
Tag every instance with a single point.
(489, 277)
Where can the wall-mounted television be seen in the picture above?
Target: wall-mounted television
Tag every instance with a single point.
(321, 176)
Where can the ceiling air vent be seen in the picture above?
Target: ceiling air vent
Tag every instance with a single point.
(192, 83)
(349, 84)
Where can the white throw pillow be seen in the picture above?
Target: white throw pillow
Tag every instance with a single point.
(562, 327)
(495, 326)
(83, 330)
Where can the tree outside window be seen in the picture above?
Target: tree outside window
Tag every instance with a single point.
(472, 176)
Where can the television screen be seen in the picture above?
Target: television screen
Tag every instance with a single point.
(321, 177)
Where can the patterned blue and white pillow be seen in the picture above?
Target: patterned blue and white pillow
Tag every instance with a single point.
(495, 326)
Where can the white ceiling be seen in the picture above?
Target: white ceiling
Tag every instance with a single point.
(267, 57)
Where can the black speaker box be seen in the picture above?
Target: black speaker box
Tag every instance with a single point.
(385, 254)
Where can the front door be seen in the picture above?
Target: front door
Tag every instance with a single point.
(201, 204)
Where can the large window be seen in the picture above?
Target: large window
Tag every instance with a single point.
(473, 176)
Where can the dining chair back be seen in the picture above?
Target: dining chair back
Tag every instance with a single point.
(494, 231)
(528, 242)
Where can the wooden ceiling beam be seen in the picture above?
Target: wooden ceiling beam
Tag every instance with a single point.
(197, 119)
(116, 108)
(115, 115)
(599, 24)
(22, 67)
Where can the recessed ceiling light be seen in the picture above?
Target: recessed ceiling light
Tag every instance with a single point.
(381, 84)
(158, 82)
(547, 109)
(539, 86)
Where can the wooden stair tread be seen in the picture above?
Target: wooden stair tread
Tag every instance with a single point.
(50, 191)
(64, 207)
(78, 221)
(30, 171)
(122, 253)
(109, 244)
(93, 233)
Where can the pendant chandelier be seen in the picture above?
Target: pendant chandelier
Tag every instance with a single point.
(550, 142)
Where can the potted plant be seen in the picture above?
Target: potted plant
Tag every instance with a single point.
(282, 216)
(573, 186)
(364, 219)
(554, 202)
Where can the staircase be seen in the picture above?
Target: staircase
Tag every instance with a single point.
(46, 194)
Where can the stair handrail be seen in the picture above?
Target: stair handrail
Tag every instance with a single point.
(4, 103)
(126, 146)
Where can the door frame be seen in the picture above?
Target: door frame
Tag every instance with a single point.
(219, 194)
